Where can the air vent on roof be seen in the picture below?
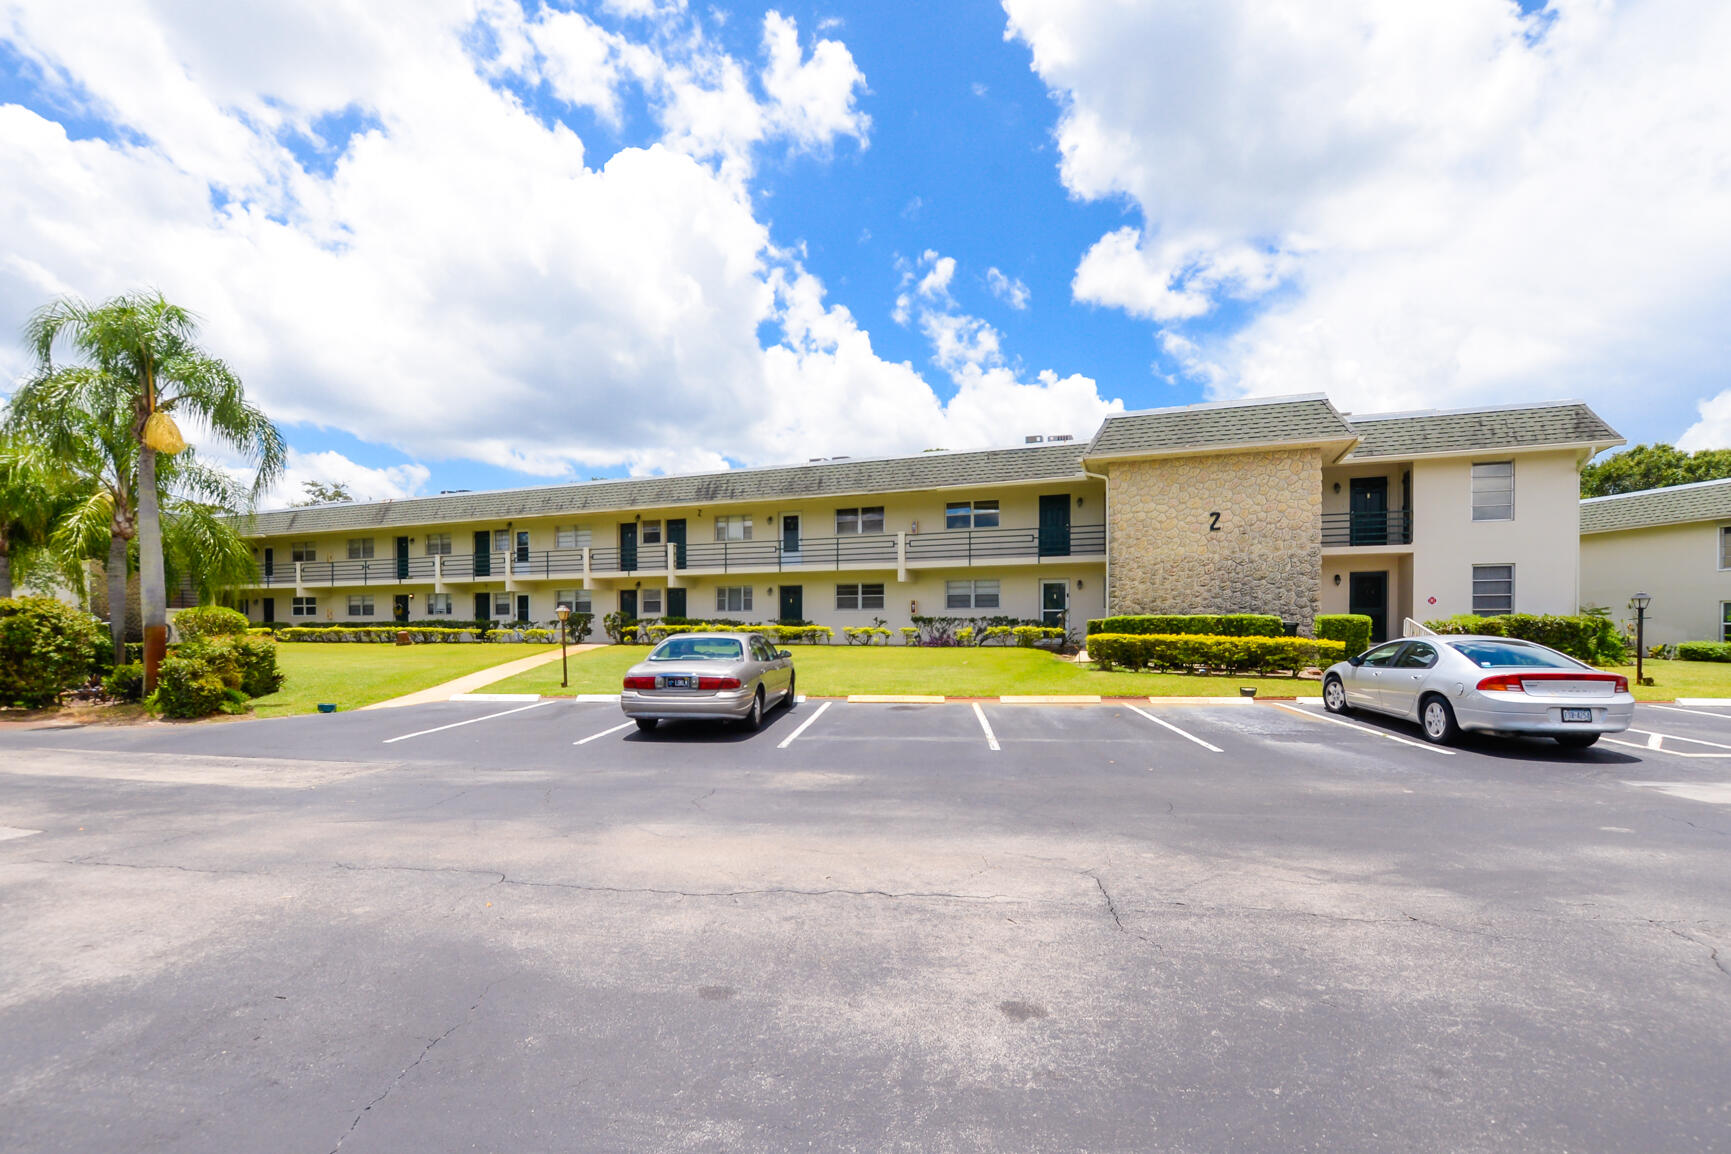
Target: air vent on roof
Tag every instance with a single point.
(1061, 437)
(1033, 439)
(448, 492)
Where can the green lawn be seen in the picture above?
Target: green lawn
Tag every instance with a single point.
(1674, 679)
(838, 670)
(353, 675)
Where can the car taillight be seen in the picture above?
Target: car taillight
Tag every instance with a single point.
(1505, 682)
(1511, 682)
(1621, 685)
(640, 683)
(718, 683)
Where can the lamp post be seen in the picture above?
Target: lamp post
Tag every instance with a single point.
(1640, 601)
(564, 612)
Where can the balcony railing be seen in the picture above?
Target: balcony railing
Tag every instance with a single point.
(862, 551)
(1393, 527)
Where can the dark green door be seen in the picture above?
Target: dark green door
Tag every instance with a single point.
(792, 602)
(402, 558)
(269, 564)
(522, 609)
(628, 554)
(676, 598)
(1054, 525)
(400, 608)
(483, 606)
(628, 604)
(483, 558)
(269, 608)
(676, 538)
(1367, 593)
(1369, 511)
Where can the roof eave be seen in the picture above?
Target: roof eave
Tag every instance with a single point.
(1339, 446)
(1597, 446)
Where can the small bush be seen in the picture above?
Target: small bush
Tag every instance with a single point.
(259, 674)
(125, 683)
(1187, 652)
(210, 621)
(1586, 637)
(189, 686)
(1350, 629)
(865, 634)
(1181, 624)
(46, 648)
(1704, 651)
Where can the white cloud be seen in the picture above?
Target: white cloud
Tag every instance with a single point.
(363, 482)
(1007, 288)
(1428, 202)
(460, 278)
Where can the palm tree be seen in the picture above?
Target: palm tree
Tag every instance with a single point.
(34, 490)
(137, 356)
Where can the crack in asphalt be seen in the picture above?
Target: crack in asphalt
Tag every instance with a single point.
(1111, 906)
(1712, 951)
(126, 865)
(404, 1072)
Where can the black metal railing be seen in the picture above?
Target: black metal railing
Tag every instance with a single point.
(1390, 527)
(860, 551)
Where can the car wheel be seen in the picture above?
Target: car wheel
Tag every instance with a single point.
(788, 700)
(647, 723)
(1576, 740)
(1437, 718)
(754, 720)
(1334, 696)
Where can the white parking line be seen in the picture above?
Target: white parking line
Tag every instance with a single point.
(1697, 712)
(1656, 743)
(804, 725)
(991, 738)
(1315, 716)
(603, 733)
(1173, 728)
(471, 721)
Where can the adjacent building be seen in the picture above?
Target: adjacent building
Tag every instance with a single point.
(1674, 544)
(1281, 505)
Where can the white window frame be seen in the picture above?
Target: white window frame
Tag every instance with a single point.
(728, 522)
(435, 600)
(361, 548)
(733, 599)
(859, 595)
(971, 512)
(304, 607)
(863, 519)
(1474, 492)
(572, 537)
(651, 601)
(972, 593)
(576, 600)
(438, 544)
(360, 604)
(1475, 589)
(504, 607)
(1725, 620)
(502, 543)
(649, 532)
(1725, 547)
(307, 551)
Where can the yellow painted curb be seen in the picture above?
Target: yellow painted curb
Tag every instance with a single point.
(1051, 699)
(895, 699)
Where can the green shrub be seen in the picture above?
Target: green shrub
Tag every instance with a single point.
(125, 683)
(378, 634)
(46, 648)
(1586, 637)
(1350, 629)
(865, 634)
(189, 686)
(1186, 652)
(210, 621)
(1026, 635)
(1704, 651)
(1208, 624)
(259, 674)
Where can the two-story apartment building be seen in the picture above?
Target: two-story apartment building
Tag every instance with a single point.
(1277, 505)
(1673, 544)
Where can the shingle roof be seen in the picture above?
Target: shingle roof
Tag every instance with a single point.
(834, 477)
(1676, 505)
(1467, 430)
(1274, 421)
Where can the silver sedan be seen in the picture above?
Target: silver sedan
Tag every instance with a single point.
(1488, 684)
(725, 676)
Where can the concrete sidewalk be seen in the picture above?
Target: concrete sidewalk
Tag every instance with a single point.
(473, 681)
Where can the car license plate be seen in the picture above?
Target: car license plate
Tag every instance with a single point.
(1577, 715)
(689, 682)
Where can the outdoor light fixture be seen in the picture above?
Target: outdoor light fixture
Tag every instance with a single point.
(1337, 578)
(1337, 486)
(1640, 601)
(563, 612)
(1078, 582)
(1078, 502)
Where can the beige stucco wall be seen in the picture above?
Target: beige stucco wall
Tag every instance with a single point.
(1265, 557)
(1677, 564)
(1542, 542)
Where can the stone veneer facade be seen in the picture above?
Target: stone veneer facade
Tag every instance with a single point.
(1265, 556)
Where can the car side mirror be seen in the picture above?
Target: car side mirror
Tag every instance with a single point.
(783, 653)
(1355, 660)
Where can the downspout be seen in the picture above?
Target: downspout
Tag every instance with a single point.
(1106, 504)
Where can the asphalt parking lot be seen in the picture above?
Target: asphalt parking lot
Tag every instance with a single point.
(519, 926)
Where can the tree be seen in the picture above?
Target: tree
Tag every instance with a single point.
(1653, 467)
(319, 493)
(34, 491)
(137, 356)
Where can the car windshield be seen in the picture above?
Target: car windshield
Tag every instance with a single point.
(697, 649)
(1499, 654)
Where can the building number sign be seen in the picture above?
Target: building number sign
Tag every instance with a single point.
(1214, 522)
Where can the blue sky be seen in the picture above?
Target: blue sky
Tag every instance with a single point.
(479, 243)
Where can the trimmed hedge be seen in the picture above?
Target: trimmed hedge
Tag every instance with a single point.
(1703, 651)
(1350, 629)
(46, 648)
(1586, 637)
(1193, 624)
(1185, 652)
(204, 675)
(210, 621)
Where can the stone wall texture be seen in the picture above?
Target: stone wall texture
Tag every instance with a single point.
(1265, 556)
